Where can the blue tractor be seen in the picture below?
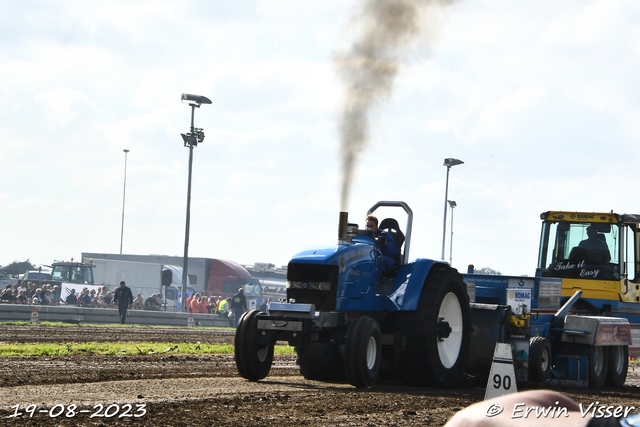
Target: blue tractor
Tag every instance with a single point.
(413, 324)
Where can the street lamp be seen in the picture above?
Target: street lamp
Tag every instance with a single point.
(452, 204)
(448, 163)
(190, 139)
(124, 190)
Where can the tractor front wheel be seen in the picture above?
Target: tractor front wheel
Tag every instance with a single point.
(363, 352)
(252, 360)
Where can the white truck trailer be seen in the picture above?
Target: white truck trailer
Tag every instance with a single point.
(141, 277)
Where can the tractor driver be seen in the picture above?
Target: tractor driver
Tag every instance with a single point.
(594, 243)
(387, 245)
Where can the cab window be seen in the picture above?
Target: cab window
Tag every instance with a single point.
(630, 253)
(580, 250)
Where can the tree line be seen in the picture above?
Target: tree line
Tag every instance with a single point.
(17, 267)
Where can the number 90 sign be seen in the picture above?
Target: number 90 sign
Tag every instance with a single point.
(502, 381)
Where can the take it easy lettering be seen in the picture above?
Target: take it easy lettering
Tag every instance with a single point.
(560, 266)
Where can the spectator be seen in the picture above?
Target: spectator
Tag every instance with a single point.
(238, 305)
(85, 299)
(99, 302)
(189, 300)
(6, 295)
(123, 298)
(49, 297)
(108, 299)
(71, 299)
(56, 294)
(223, 307)
(151, 303)
(195, 303)
(95, 300)
(212, 306)
(22, 297)
(160, 302)
(204, 302)
(12, 296)
(42, 300)
(138, 302)
(103, 291)
(31, 290)
(35, 301)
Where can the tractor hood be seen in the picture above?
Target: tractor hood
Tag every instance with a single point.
(318, 254)
(360, 247)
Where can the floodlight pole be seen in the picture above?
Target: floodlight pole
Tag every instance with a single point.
(185, 264)
(452, 204)
(448, 163)
(191, 139)
(124, 190)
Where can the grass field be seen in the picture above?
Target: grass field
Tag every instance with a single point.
(118, 347)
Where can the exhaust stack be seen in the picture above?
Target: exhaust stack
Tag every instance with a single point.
(342, 226)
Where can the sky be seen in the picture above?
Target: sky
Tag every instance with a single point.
(540, 99)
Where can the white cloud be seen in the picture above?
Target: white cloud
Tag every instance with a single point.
(587, 25)
(60, 106)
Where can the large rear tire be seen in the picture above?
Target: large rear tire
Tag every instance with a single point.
(618, 365)
(321, 362)
(598, 366)
(539, 359)
(438, 333)
(363, 352)
(252, 360)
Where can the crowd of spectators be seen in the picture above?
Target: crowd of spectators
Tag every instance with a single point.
(30, 294)
(211, 305)
(197, 303)
(33, 293)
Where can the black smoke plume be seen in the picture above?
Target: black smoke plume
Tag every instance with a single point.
(369, 67)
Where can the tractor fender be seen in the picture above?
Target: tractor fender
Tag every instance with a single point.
(412, 278)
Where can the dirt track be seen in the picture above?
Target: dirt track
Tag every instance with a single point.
(175, 389)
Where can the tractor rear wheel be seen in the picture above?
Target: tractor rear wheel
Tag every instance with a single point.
(363, 352)
(618, 365)
(539, 359)
(598, 365)
(252, 360)
(438, 333)
(320, 362)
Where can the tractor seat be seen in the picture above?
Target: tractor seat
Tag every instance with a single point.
(392, 227)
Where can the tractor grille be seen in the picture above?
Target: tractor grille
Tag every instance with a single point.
(313, 284)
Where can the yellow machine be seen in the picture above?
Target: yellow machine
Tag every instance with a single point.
(595, 252)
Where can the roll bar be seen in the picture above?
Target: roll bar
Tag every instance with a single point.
(407, 232)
